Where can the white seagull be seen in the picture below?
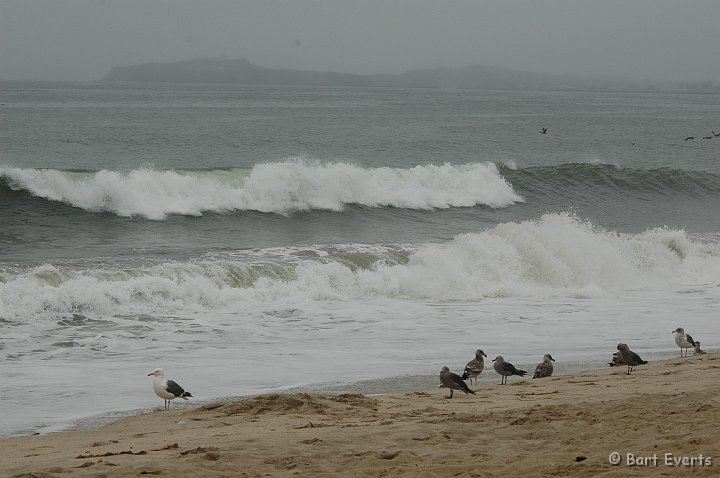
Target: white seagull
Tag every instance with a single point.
(167, 389)
(683, 340)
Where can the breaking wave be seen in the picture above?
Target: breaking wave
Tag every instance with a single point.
(556, 255)
(281, 188)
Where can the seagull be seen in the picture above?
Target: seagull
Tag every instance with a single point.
(543, 131)
(629, 358)
(698, 350)
(167, 389)
(616, 360)
(689, 137)
(474, 367)
(683, 340)
(544, 369)
(506, 369)
(453, 381)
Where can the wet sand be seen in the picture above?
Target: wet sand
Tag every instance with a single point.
(530, 427)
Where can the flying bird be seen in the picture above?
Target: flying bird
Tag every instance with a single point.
(689, 137)
(506, 369)
(683, 340)
(167, 389)
(545, 368)
(474, 367)
(543, 131)
(453, 381)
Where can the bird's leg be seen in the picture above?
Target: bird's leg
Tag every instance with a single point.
(451, 393)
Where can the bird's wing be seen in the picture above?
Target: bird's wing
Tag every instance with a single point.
(636, 358)
(542, 370)
(474, 365)
(457, 379)
(689, 338)
(174, 388)
(508, 367)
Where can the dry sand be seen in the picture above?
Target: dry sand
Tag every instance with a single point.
(526, 428)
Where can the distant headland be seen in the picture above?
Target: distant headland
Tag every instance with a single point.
(242, 71)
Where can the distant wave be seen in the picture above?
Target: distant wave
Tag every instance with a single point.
(557, 255)
(296, 186)
(282, 188)
(550, 180)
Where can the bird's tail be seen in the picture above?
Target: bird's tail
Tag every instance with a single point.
(643, 362)
(468, 390)
(522, 373)
(465, 374)
(185, 395)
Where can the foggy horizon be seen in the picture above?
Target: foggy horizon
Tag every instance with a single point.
(663, 41)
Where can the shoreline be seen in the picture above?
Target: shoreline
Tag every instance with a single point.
(375, 386)
(535, 427)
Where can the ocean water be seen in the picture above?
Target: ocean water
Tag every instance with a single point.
(252, 239)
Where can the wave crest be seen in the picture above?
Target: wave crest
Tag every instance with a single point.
(281, 188)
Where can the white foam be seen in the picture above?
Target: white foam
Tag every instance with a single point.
(555, 256)
(282, 188)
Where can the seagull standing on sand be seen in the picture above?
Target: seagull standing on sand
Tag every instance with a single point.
(453, 381)
(506, 369)
(167, 389)
(544, 369)
(629, 358)
(698, 350)
(683, 340)
(474, 367)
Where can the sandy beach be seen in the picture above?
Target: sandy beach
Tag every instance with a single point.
(561, 426)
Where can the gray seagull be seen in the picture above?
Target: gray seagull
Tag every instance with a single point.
(506, 369)
(683, 340)
(474, 367)
(629, 358)
(453, 381)
(544, 369)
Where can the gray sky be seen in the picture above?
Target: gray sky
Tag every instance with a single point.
(641, 39)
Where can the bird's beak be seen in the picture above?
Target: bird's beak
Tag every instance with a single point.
(552, 359)
(494, 359)
(151, 374)
(485, 355)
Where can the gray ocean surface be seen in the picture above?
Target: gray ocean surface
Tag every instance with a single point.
(264, 238)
